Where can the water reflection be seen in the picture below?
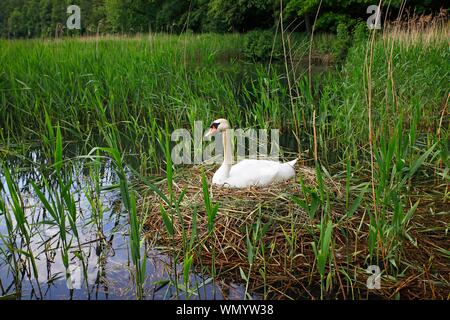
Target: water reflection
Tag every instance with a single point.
(107, 272)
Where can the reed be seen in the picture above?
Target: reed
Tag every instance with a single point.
(375, 191)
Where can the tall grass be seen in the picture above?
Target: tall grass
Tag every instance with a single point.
(126, 112)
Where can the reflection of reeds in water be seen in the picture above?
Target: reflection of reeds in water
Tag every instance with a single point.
(18, 239)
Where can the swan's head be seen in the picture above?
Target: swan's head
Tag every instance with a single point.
(218, 125)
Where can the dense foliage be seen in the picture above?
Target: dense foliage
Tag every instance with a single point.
(34, 18)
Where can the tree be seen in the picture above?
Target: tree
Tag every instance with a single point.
(30, 18)
(31, 10)
(16, 24)
(241, 15)
(334, 12)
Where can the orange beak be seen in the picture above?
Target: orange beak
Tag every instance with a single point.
(211, 132)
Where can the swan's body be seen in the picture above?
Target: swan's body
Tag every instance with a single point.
(258, 173)
(247, 173)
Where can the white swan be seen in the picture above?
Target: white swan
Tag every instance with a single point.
(250, 172)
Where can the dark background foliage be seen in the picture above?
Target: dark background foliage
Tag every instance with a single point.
(46, 18)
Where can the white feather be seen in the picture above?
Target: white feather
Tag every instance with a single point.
(248, 173)
(258, 173)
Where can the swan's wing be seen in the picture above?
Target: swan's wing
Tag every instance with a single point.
(267, 175)
(253, 173)
(253, 166)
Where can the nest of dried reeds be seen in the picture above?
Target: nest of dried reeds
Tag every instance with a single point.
(239, 211)
(287, 265)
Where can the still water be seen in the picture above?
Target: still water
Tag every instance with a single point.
(103, 242)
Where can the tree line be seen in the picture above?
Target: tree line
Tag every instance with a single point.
(46, 18)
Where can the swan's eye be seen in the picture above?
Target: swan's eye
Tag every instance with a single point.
(214, 125)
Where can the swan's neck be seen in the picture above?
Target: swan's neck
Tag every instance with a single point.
(227, 150)
(227, 154)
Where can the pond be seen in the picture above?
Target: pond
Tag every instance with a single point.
(103, 241)
(91, 259)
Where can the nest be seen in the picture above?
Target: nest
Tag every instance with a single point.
(288, 256)
(280, 232)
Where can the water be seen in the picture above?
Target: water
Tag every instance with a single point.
(103, 241)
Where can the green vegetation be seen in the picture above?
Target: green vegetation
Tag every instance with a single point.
(47, 18)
